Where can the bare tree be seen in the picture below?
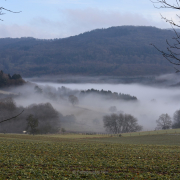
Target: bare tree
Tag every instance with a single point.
(121, 123)
(73, 100)
(172, 52)
(2, 13)
(3, 10)
(164, 122)
(110, 123)
(113, 109)
(176, 119)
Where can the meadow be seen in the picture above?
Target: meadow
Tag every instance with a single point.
(77, 156)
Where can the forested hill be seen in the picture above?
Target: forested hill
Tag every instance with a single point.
(118, 51)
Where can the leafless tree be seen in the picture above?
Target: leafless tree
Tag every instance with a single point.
(172, 53)
(164, 122)
(121, 123)
(73, 100)
(3, 10)
(113, 109)
(176, 120)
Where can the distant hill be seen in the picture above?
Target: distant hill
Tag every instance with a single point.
(119, 51)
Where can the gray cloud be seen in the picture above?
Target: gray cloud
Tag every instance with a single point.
(76, 21)
(17, 31)
(95, 18)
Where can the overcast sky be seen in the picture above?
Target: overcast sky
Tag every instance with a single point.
(48, 19)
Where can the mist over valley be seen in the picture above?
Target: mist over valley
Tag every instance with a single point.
(144, 102)
(83, 79)
(89, 89)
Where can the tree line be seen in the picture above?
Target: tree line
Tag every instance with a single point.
(123, 123)
(74, 96)
(108, 94)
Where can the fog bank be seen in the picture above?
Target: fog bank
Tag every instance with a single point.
(152, 102)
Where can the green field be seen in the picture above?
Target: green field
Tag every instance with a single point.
(76, 156)
(169, 131)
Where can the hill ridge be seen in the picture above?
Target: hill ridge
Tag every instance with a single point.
(115, 51)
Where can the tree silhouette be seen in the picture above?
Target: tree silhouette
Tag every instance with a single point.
(172, 52)
(121, 123)
(164, 122)
(73, 100)
(2, 13)
(176, 120)
(3, 10)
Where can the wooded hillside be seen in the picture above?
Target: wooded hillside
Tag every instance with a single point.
(118, 51)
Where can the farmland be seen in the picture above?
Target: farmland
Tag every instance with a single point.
(155, 156)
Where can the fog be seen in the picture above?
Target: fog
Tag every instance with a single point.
(152, 101)
(88, 114)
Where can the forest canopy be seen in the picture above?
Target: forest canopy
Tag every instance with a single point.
(116, 51)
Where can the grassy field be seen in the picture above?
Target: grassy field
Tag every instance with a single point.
(74, 156)
(169, 131)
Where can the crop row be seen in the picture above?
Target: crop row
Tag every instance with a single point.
(89, 160)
